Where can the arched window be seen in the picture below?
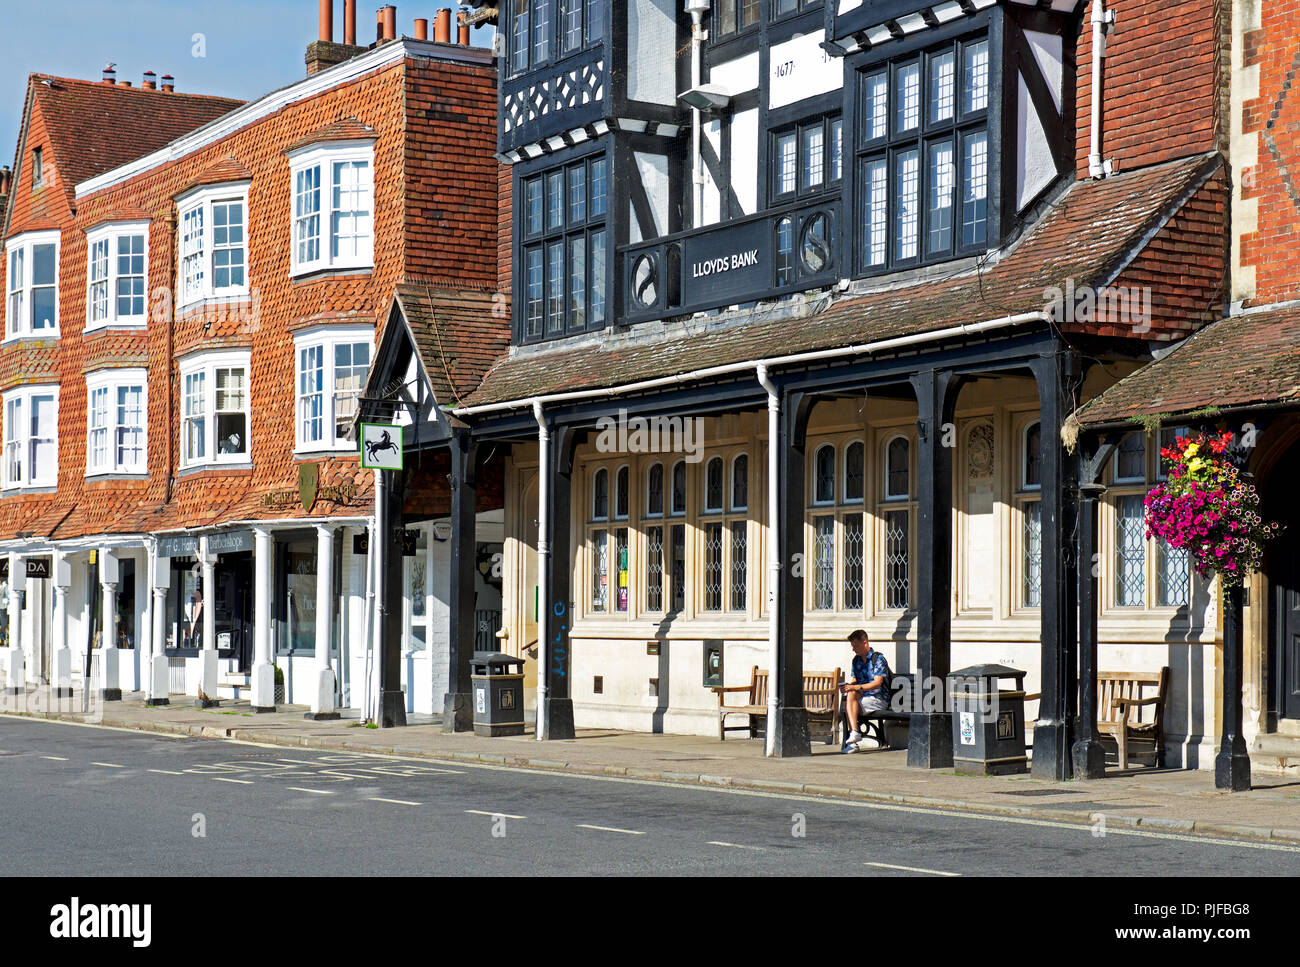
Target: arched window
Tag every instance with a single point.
(854, 470)
(740, 483)
(898, 476)
(713, 486)
(1031, 457)
(600, 495)
(824, 475)
(654, 490)
(620, 499)
(679, 489)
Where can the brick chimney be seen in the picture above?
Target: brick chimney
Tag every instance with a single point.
(150, 82)
(6, 177)
(325, 53)
(168, 84)
(110, 75)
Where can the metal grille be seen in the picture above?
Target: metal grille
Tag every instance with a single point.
(1173, 582)
(1031, 594)
(1130, 554)
(853, 548)
(654, 571)
(739, 564)
(599, 571)
(679, 566)
(713, 565)
(824, 563)
(486, 625)
(897, 583)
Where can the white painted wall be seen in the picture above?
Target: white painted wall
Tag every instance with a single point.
(651, 51)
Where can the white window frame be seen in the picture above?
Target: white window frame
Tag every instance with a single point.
(112, 234)
(22, 328)
(112, 381)
(203, 200)
(325, 339)
(208, 364)
(26, 481)
(323, 158)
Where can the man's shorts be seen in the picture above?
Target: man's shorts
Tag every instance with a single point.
(872, 702)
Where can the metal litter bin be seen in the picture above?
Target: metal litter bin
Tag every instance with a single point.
(498, 682)
(988, 722)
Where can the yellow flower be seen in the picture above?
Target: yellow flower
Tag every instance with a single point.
(1191, 451)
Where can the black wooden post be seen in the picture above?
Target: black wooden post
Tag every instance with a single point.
(929, 737)
(1056, 710)
(790, 730)
(1089, 758)
(556, 618)
(1232, 765)
(392, 701)
(458, 713)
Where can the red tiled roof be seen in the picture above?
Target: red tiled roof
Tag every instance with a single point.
(458, 333)
(227, 169)
(95, 127)
(1243, 361)
(1090, 235)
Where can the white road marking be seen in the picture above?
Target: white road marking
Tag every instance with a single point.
(911, 869)
(718, 842)
(108, 765)
(318, 792)
(54, 758)
(167, 772)
(482, 812)
(242, 782)
(395, 802)
(613, 829)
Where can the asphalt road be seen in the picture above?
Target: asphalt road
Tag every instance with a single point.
(86, 801)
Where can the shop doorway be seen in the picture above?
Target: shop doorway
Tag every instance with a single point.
(234, 604)
(1283, 567)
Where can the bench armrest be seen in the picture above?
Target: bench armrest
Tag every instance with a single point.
(1033, 696)
(724, 689)
(1122, 702)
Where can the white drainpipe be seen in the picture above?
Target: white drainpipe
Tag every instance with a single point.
(697, 10)
(773, 552)
(543, 566)
(1102, 22)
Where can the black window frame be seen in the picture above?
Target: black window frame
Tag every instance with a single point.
(862, 152)
(718, 35)
(828, 184)
(557, 47)
(593, 227)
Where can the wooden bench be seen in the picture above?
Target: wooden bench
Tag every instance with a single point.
(820, 696)
(1123, 701)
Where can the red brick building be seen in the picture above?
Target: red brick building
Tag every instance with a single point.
(194, 288)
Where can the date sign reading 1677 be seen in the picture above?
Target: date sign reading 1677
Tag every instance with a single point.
(381, 446)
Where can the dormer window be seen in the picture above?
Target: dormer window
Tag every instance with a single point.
(924, 156)
(32, 286)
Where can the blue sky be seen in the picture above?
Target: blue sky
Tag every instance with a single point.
(249, 47)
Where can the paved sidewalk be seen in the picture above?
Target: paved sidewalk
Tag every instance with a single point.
(1169, 800)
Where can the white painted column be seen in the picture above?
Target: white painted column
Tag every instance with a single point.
(323, 705)
(158, 674)
(208, 654)
(263, 690)
(17, 657)
(110, 685)
(61, 674)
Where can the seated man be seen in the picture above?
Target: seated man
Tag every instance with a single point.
(867, 690)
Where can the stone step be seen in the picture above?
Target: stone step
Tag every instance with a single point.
(1277, 744)
(1276, 754)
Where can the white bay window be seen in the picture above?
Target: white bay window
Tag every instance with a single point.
(117, 421)
(332, 187)
(215, 409)
(116, 275)
(31, 437)
(32, 285)
(331, 367)
(213, 244)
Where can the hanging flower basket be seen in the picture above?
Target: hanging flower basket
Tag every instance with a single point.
(1208, 508)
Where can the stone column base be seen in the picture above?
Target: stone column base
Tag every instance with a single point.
(790, 733)
(559, 718)
(392, 709)
(457, 712)
(929, 740)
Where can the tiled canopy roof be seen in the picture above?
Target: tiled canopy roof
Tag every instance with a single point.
(1091, 235)
(458, 334)
(96, 127)
(1236, 363)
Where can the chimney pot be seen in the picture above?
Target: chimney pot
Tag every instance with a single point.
(442, 27)
(390, 22)
(379, 25)
(421, 29)
(327, 20)
(110, 76)
(168, 84)
(462, 32)
(4, 181)
(350, 22)
(150, 82)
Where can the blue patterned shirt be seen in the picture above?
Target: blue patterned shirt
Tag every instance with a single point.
(867, 669)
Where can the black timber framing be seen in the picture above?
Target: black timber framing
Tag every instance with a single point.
(457, 710)
(934, 376)
(1087, 755)
(392, 700)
